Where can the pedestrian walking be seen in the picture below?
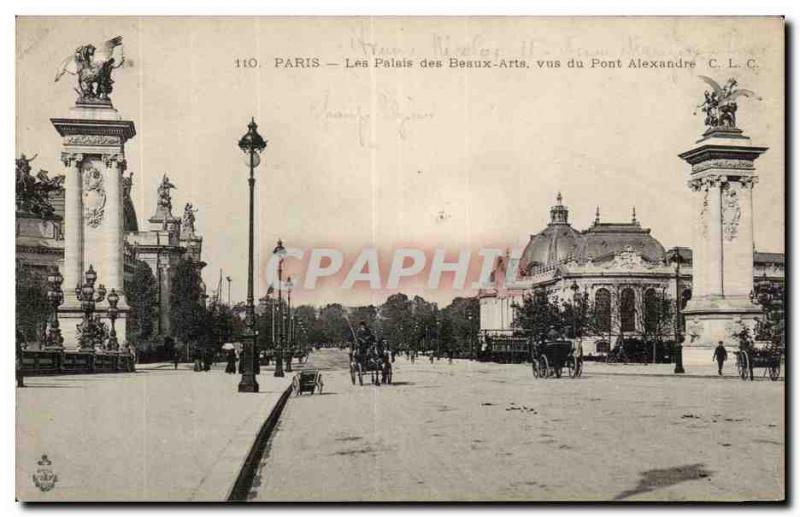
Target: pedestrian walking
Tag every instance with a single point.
(450, 355)
(720, 355)
(19, 372)
(231, 366)
(176, 357)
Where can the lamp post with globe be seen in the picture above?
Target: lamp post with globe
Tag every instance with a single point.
(89, 298)
(251, 144)
(280, 252)
(289, 325)
(55, 341)
(113, 312)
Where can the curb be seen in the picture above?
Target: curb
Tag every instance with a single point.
(244, 481)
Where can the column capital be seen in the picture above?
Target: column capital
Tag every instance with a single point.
(114, 159)
(70, 159)
(695, 185)
(713, 180)
(748, 182)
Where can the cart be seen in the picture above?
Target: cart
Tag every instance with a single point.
(307, 381)
(768, 358)
(378, 366)
(550, 359)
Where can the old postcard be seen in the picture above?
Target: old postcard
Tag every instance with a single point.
(418, 259)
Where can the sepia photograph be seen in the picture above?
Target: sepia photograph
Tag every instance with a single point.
(412, 259)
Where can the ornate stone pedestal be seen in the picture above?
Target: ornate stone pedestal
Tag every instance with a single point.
(722, 180)
(94, 137)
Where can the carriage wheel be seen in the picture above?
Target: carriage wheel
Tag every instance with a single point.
(744, 369)
(775, 372)
(535, 368)
(544, 367)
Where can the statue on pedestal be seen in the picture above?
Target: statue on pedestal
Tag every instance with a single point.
(164, 197)
(33, 192)
(720, 104)
(93, 67)
(187, 225)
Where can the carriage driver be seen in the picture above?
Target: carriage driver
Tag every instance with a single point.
(366, 340)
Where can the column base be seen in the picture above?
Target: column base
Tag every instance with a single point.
(248, 384)
(709, 321)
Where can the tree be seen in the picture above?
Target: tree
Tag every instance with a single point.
(334, 325)
(142, 295)
(32, 306)
(462, 318)
(396, 320)
(188, 314)
(538, 314)
(658, 318)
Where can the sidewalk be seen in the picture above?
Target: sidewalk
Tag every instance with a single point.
(154, 435)
(667, 369)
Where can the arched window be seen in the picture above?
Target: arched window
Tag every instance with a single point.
(602, 304)
(627, 310)
(652, 312)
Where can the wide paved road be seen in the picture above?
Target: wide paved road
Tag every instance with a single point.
(475, 431)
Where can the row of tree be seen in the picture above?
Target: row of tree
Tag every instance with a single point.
(540, 315)
(404, 323)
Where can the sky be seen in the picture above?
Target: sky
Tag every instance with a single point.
(388, 158)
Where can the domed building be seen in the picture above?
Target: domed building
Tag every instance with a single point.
(621, 267)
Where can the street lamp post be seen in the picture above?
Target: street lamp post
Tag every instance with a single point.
(89, 298)
(113, 312)
(55, 296)
(470, 342)
(251, 144)
(280, 251)
(676, 258)
(289, 329)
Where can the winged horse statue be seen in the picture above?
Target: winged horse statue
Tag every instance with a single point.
(720, 103)
(93, 67)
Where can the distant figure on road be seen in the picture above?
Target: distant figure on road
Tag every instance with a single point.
(450, 355)
(20, 373)
(176, 357)
(720, 355)
(231, 366)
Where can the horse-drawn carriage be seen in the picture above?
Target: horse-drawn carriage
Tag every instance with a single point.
(307, 381)
(767, 358)
(378, 365)
(549, 359)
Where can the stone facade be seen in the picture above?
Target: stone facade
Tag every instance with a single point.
(618, 265)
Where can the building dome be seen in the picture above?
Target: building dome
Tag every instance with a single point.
(556, 243)
(560, 242)
(604, 240)
(603, 243)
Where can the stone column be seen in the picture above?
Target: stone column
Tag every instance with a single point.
(73, 225)
(114, 275)
(699, 193)
(722, 166)
(713, 243)
(737, 229)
